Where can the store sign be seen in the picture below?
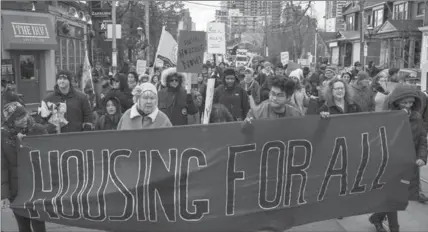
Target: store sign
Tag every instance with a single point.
(101, 13)
(30, 30)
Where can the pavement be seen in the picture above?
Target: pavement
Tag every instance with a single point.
(414, 219)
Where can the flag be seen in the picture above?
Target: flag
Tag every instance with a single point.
(87, 83)
(166, 53)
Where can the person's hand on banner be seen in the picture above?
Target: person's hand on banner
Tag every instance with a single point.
(420, 162)
(247, 126)
(20, 136)
(325, 114)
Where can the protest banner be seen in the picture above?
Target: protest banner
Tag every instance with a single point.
(216, 38)
(166, 53)
(191, 48)
(219, 178)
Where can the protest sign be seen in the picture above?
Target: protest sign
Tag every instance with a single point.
(284, 58)
(141, 67)
(191, 48)
(216, 38)
(281, 173)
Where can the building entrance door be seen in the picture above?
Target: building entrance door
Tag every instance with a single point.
(28, 68)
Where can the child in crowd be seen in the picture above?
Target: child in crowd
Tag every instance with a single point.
(111, 115)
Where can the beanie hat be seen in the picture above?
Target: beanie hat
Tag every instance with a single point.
(330, 72)
(140, 89)
(64, 74)
(249, 70)
(229, 71)
(362, 75)
(13, 111)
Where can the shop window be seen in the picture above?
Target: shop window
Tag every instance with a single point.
(70, 54)
(8, 72)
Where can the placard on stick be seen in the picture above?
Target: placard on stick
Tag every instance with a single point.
(191, 48)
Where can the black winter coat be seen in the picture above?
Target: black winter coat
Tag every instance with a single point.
(176, 104)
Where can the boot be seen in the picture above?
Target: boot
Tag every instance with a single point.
(377, 224)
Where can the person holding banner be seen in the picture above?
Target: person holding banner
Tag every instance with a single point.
(406, 98)
(277, 105)
(232, 95)
(175, 100)
(338, 99)
(144, 114)
(18, 123)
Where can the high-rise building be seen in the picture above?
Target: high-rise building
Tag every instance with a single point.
(252, 15)
(333, 9)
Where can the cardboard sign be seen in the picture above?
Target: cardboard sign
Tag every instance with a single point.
(284, 58)
(191, 48)
(216, 38)
(141, 67)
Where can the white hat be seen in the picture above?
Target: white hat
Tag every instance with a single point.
(140, 89)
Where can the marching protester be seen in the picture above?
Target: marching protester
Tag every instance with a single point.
(7, 96)
(220, 114)
(356, 69)
(132, 80)
(280, 69)
(143, 78)
(363, 92)
(17, 124)
(347, 77)
(277, 105)
(232, 95)
(406, 98)
(338, 99)
(66, 109)
(174, 100)
(299, 99)
(201, 83)
(144, 114)
(251, 86)
(112, 112)
(121, 91)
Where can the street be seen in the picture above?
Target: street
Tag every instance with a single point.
(413, 219)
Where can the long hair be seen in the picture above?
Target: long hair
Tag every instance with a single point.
(327, 91)
(220, 113)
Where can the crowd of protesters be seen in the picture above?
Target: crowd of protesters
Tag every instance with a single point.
(128, 101)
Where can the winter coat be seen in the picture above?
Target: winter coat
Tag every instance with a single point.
(176, 103)
(124, 97)
(364, 97)
(9, 159)
(416, 123)
(133, 120)
(234, 99)
(253, 88)
(78, 108)
(109, 122)
(265, 111)
(350, 107)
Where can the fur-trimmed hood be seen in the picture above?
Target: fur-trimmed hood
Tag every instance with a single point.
(169, 72)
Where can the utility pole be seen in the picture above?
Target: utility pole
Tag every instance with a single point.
(362, 32)
(265, 44)
(114, 53)
(316, 46)
(147, 30)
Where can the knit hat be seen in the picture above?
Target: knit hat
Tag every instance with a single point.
(64, 74)
(330, 72)
(249, 70)
(13, 111)
(362, 75)
(140, 89)
(229, 71)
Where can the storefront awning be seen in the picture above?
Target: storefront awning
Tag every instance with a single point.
(28, 32)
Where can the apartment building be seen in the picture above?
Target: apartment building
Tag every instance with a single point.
(333, 10)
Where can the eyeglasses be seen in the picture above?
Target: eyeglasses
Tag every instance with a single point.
(172, 80)
(339, 89)
(279, 95)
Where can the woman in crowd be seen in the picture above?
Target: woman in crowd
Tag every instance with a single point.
(143, 78)
(155, 81)
(120, 91)
(111, 115)
(132, 80)
(363, 92)
(406, 98)
(299, 99)
(144, 113)
(338, 99)
(174, 100)
(18, 123)
(251, 86)
(347, 77)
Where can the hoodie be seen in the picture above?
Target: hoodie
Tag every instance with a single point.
(235, 98)
(416, 123)
(106, 121)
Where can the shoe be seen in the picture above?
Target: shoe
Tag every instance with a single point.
(422, 198)
(377, 225)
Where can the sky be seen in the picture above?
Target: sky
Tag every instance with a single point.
(203, 12)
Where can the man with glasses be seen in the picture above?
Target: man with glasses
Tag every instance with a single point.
(277, 105)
